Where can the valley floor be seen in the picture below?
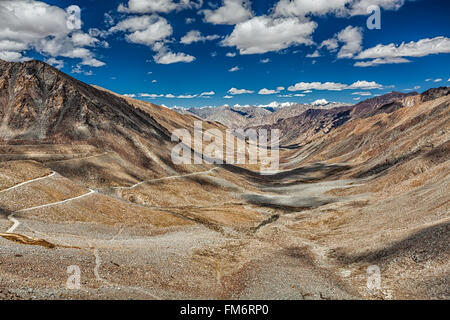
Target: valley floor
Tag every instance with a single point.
(220, 233)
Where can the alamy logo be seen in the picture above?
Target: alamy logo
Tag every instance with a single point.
(74, 279)
(253, 147)
(373, 278)
(73, 17)
(374, 21)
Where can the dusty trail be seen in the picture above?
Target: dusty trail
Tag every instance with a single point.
(168, 178)
(16, 222)
(29, 181)
(98, 277)
(57, 203)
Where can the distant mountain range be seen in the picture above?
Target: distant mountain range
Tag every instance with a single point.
(246, 116)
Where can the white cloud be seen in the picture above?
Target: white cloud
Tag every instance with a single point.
(165, 56)
(228, 97)
(190, 20)
(130, 95)
(231, 54)
(12, 46)
(360, 7)
(50, 30)
(302, 8)
(267, 60)
(268, 91)
(152, 31)
(331, 44)
(320, 102)
(208, 93)
(264, 34)
(364, 93)
(231, 12)
(234, 69)
(351, 38)
(438, 80)
(365, 85)
(235, 91)
(315, 54)
(151, 6)
(83, 39)
(333, 86)
(378, 61)
(58, 64)
(12, 56)
(150, 95)
(421, 48)
(187, 96)
(196, 36)
(145, 30)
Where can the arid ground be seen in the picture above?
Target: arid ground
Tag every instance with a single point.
(94, 187)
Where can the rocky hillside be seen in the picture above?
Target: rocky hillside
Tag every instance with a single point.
(248, 116)
(39, 105)
(296, 130)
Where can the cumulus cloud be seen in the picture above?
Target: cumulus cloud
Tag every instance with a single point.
(351, 40)
(302, 8)
(394, 54)
(331, 44)
(391, 53)
(231, 12)
(165, 56)
(264, 34)
(334, 86)
(235, 91)
(267, 60)
(152, 6)
(58, 64)
(152, 31)
(234, 69)
(378, 61)
(208, 93)
(269, 91)
(315, 54)
(50, 30)
(320, 102)
(231, 54)
(196, 36)
(351, 37)
(145, 30)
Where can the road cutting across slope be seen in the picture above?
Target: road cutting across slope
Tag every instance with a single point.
(29, 181)
(168, 178)
(16, 223)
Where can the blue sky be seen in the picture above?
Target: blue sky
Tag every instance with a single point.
(172, 51)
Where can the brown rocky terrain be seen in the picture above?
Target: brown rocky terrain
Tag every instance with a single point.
(250, 116)
(86, 180)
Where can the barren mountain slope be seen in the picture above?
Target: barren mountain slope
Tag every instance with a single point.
(249, 116)
(298, 129)
(371, 191)
(42, 106)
